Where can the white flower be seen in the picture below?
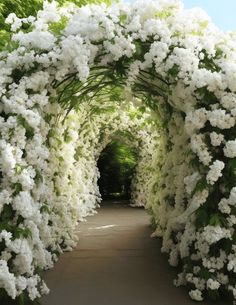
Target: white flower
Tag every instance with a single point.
(26, 178)
(213, 285)
(5, 198)
(224, 206)
(7, 280)
(191, 181)
(232, 263)
(195, 120)
(230, 149)
(196, 295)
(24, 205)
(228, 101)
(200, 148)
(212, 234)
(120, 47)
(219, 118)
(215, 172)
(216, 138)
(36, 39)
(7, 158)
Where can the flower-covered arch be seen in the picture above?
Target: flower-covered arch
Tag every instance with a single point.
(174, 61)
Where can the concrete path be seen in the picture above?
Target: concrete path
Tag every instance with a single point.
(116, 263)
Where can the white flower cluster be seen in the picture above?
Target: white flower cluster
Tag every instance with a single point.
(226, 204)
(213, 234)
(213, 285)
(216, 138)
(215, 172)
(230, 149)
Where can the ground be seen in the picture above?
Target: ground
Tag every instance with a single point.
(116, 263)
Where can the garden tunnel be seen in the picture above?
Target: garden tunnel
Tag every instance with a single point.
(71, 79)
(116, 166)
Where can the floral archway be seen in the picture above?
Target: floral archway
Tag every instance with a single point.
(173, 61)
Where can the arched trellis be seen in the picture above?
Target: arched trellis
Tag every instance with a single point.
(83, 135)
(179, 64)
(140, 134)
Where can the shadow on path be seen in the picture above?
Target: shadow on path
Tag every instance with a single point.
(116, 263)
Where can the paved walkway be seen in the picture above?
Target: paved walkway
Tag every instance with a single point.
(116, 263)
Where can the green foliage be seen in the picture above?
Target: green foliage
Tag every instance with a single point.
(202, 218)
(67, 137)
(200, 186)
(170, 199)
(204, 273)
(82, 2)
(174, 71)
(213, 295)
(123, 18)
(209, 63)
(22, 299)
(116, 165)
(57, 27)
(17, 232)
(18, 168)
(29, 131)
(38, 177)
(103, 109)
(44, 209)
(217, 220)
(17, 187)
(22, 8)
(206, 98)
(21, 232)
(7, 214)
(25, 8)
(229, 174)
(194, 162)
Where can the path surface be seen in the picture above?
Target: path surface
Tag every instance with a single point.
(116, 263)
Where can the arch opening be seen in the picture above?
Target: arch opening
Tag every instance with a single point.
(116, 166)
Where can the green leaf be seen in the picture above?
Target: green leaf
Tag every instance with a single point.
(217, 220)
(171, 200)
(38, 177)
(18, 188)
(194, 163)
(231, 165)
(21, 232)
(142, 109)
(21, 299)
(45, 209)
(29, 131)
(207, 97)
(18, 168)
(174, 71)
(67, 137)
(204, 273)
(61, 159)
(123, 18)
(163, 14)
(200, 186)
(57, 27)
(202, 218)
